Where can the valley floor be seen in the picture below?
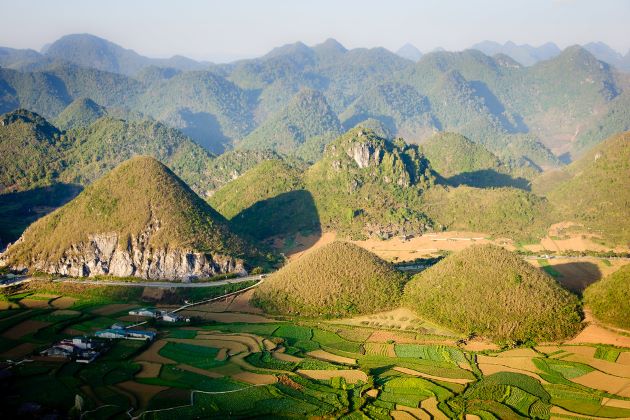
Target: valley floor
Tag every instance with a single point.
(236, 361)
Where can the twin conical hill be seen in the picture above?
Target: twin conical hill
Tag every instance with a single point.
(140, 220)
(336, 280)
(488, 291)
(609, 298)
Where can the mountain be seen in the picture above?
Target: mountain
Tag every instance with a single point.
(202, 104)
(409, 52)
(303, 128)
(16, 59)
(488, 291)
(365, 185)
(109, 141)
(88, 50)
(268, 200)
(339, 279)
(604, 53)
(138, 220)
(31, 151)
(461, 161)
(593, 190)
(503, 212)
(609, 298)
(81, 112)
(399, 107)
(525, 54)
(523, 115)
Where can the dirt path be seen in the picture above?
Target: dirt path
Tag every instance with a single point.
(594, 333)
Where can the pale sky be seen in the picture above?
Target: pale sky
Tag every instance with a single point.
(222, 30)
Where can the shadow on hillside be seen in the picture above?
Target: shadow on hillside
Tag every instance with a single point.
(576, 276)
(282, 216)
(488, 178)
(20, 209)
(205, 129)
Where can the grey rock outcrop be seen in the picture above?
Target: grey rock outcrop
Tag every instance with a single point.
(363, 153)
(102, 254)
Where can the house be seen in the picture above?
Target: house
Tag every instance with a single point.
(121, 333)
(148, 312)
(173, 317)
(111, 333)
(79, 349)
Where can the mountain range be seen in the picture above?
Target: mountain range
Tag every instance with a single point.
(522, 114)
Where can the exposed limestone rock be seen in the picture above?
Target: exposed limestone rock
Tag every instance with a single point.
(363, 153)
(102, 254)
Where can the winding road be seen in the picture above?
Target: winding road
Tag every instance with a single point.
(163, 284)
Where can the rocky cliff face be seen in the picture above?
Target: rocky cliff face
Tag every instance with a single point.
(103, 255)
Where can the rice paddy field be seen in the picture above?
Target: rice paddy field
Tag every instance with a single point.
(232, 363)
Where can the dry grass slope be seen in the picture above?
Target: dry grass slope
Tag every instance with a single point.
(336, 280)
(136, 193)
(609, 299)
(488, 291)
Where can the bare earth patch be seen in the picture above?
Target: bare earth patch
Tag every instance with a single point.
(113, 308)
(24, 328)
(597, 334)
(152, 354)
(5, 304)
(605, 382)
(20, 350)
(417, 413)
(609, 402)
(397, 337)
(426, 375)
(286, 357)
(142, 392)
(33, 303)
(565, 413)
(329, 357)
(431, 405)
(63, 302)
(255, 378)
(380, 349)
(242, 303)
(351, 376)
(149, 370)
(489, 369)
(228, 317)
(624, 358)
(524, 365)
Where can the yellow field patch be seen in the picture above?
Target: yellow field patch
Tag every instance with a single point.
(329, 357)
(416, 413)
(489, 369)
(610, 402)
(380, 349)
(426, 375)
(351, 376)
(286, 357)
(602, 381)
(431, 406)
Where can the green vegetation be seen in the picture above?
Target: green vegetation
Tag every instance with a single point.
(368, 186)
(488, 291)
(303, 128)
(593, 190)
(549, 269)
(81, 112)
(501, 211)
(199, 356)
(137, 194)
(336, 280)
(609, 298)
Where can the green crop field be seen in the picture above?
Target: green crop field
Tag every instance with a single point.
(208, 380)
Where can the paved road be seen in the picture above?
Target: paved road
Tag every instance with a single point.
(163, 284)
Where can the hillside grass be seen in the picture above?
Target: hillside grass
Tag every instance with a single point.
(609, 298)
(487, 291)
(139, 193)
(339, 279)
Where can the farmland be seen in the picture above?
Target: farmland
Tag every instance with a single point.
(377, 365)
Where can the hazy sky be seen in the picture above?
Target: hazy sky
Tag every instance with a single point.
(228, 29)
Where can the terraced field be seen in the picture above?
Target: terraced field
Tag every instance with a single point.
(271, 367)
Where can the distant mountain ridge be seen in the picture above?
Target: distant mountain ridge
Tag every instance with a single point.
(521, 114)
